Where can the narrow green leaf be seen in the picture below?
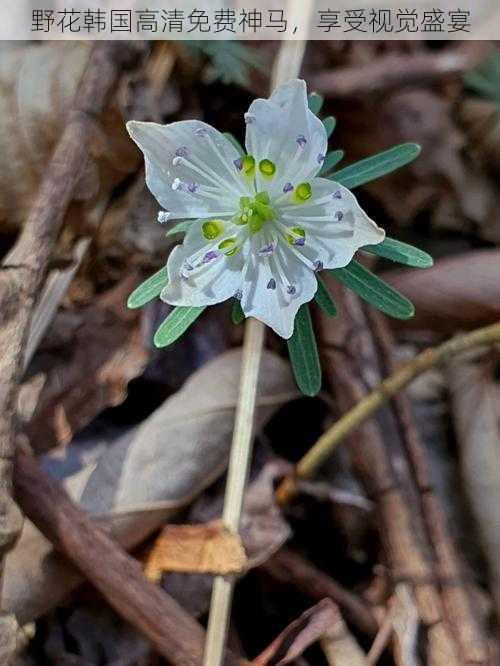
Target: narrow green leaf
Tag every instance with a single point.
(148, 290)
(329, 124)
(235, 142)
(324, 300)
(374, 290)
(401, 253)
(237, 314)
(331, 160)
(315, 101)
(180, 228)
(177, 322)
(376, 166)
(304, 354)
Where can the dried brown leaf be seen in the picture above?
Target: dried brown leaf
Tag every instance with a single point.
(321, 622)
(205, 548)
(458, 292)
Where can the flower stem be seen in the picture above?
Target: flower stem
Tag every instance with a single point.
(239, 463)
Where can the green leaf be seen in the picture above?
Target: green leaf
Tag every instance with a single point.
(177, 322)
(315, 101)
(235, 142)
(329, 124)
(401, 253)
(237, 314)
(376, 166)
(485, 79)
(148, 290)
(331, 160)
(180, 228)
(374, 290)
(304, 354)
(232, 62)
(324, 300)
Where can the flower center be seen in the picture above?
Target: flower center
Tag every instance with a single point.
(255, 212)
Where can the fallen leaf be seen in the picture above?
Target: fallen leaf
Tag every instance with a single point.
(146, 476)
(322, 621)
(38, 83)
(458, 292)
(83, 367)
(205, 548)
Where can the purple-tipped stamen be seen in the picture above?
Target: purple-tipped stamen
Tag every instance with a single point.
(299, 241)
(182, 152)
(321, 158)
(266, 250)
(271, 284)
(339, 215)
(288, 187)
(291, 290)
(238, 163)
(192, 187)
(210, 256)
(318, 265)
(301, 140)
(337, 195)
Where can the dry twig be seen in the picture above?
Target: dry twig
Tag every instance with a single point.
(118, 576)
(24, 268)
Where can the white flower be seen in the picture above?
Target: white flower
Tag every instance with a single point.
(264, 223)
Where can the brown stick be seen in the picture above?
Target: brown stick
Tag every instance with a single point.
(23, 270)
(385, 475)
(456, 590)
(391, 71)
(289, 567)
(174, 633)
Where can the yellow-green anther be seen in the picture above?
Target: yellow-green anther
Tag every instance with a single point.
(248, 165)
(267, 168)
(297, 236)
(302, 192)
(263, 198)
(212, 228)
(229, 247)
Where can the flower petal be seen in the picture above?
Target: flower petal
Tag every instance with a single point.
(191, 168)
(275, 286)
(284, 130)
(335, 225)
(199, 273)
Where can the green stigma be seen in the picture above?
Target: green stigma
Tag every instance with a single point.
(255, 212)
(229, 247)
(267, 168)
(302, 192)
(212, 228)
(248, 165)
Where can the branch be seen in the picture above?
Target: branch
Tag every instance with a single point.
(392, 71)
(119, 577)
(369, 404)
(23, 270)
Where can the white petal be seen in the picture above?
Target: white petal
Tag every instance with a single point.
(334, 223)
(266, 288)
(284, 130)
(195, 281)
(190, 168)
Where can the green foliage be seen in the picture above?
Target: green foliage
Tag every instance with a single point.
(176, 323)
(376, 166)
(374, 290)
(179, 228)
(329, 125)
(401, 253)
(331, 160)
(315, 101)
(324, 300)
(148, 290)
(485, 79)
(304, 354)
(232, 62)
(237, 314)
